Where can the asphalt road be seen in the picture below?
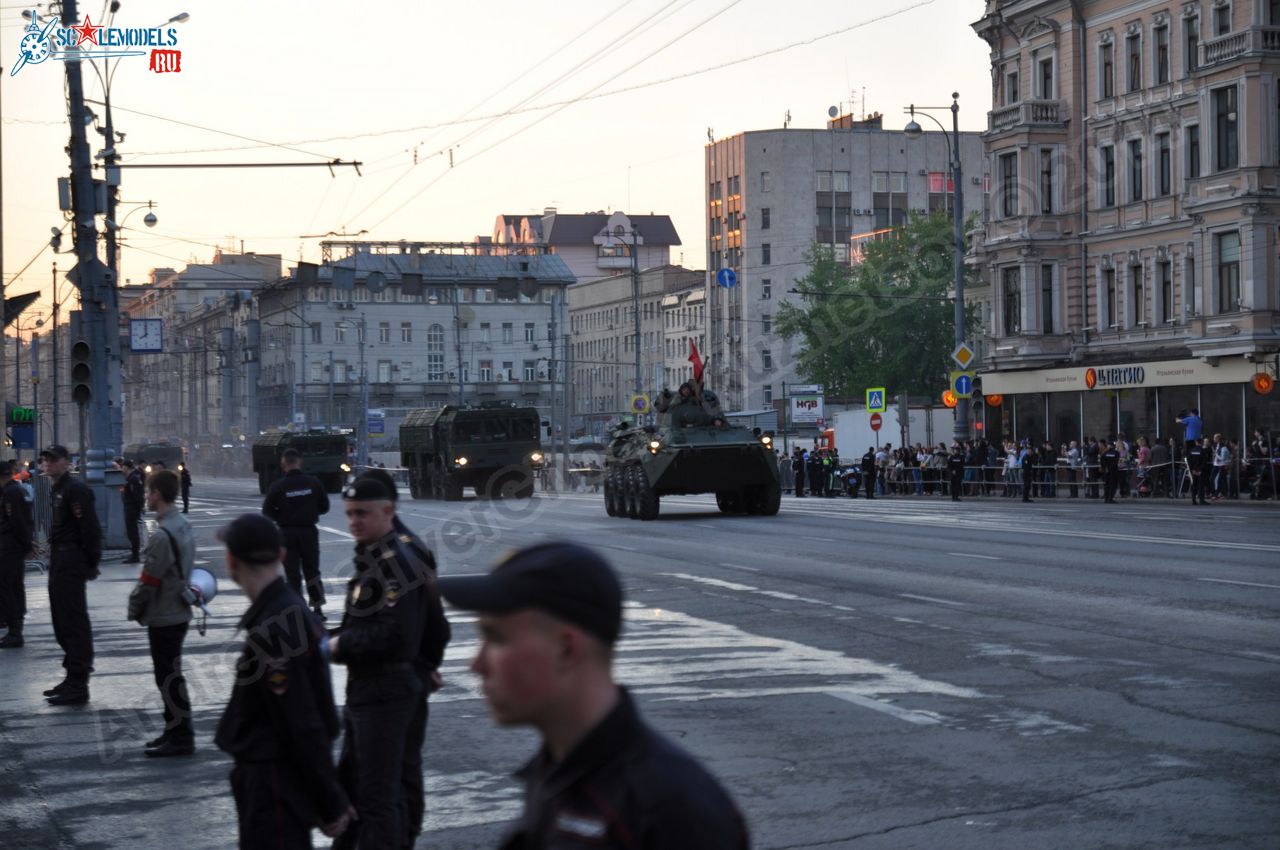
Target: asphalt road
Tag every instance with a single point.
(912, 673)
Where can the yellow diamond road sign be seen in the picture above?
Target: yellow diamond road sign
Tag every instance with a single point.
(963, 355)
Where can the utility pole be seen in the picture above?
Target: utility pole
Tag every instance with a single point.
(555, 373)
(57, 367)
(364, 399)
(635, 302)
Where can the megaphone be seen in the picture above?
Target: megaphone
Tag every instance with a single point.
(202, 587)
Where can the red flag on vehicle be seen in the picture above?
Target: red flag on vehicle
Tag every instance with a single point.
(696, 360)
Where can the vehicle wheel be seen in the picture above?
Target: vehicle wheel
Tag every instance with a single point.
(452, 490)
(647, 506)
(729, 502)
(414, 492)
(632, 488)
(525, 490)
(770, 500)
(609, 507)
(334, 483)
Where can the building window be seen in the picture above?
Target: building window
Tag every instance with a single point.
(768, 394)
(766, 181)
(406, 331)
(766, 254)
(315, 374)
(529, 332)
(339, 332)
(1107, 73)
(384, 332)
(1046, 78)
(1222, 20)
(766, 323)
(766, 359)
(508, 333)
(1046, 180)
(384, 372)
(1162, 54)
(435, 353)
(764, 218)
(1164, 176)
(508, 371)
(1193, 151)
(766, 289)
(1109, 176)
(1135, 170)
(406, 371)
(1138, 281)
(1165, 271)
(1227, 248)
(315, 334)
(485, 332)
(1011, 299)
(1012, 93)
(530, 370)
(1113, 297)
(486, 371)
(1226, 139)
(1008, 184)
(1191, 43)
(1046, 300)
(1190, 288)
(1133, 52)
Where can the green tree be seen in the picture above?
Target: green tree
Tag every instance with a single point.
(887, 321)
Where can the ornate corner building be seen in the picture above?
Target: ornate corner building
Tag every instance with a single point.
(1133, 226)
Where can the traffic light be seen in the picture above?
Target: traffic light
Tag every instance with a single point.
(81, 372)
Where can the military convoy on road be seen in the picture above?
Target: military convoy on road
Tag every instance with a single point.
(492, 447)
(693, 451)
(165, 454)
(324, 455)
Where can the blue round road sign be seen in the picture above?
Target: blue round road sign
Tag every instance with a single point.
(727, 278)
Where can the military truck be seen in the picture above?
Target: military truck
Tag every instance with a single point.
(693, 450)
(324, 455)
(492, 447)
(154, 454)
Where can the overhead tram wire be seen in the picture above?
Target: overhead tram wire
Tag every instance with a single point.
(630, 34)
(508, 137)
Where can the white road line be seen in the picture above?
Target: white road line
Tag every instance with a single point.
(1266, 656)
(210, 548)
(920, 718)
(972, 555)
(740, 567)
(1242, 583)
(932, 599)
(344, 535)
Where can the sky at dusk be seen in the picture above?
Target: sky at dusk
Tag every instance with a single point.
(582, 106)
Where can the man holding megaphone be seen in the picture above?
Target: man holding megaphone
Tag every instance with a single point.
(157, 603)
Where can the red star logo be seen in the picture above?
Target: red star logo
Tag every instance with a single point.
(88, 32)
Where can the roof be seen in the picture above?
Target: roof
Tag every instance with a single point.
(457, 268)
(562, 229)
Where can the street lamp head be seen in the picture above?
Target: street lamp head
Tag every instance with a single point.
(913, 130)
(150, 219)
(180, 18)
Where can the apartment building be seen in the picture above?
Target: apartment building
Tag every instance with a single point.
(593, 245)
(1131, 256)
(772, 194)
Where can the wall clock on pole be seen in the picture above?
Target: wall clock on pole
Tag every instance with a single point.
(146, 335)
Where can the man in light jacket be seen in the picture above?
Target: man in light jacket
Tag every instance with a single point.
(156, 602)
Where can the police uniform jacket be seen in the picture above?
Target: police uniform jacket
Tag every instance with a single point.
(1110, 460)
(134, 494)
(16, 530)
(625, 786)
(955, 463)
(297, 499)
(1195, 458)
(388, 608)
(869, 462)
(74, 528)
(436, 634)
(281, 707)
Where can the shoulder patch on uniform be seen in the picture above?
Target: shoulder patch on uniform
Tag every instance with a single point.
(278, 676)
(392, 593)
(77, 510)
(404, 538)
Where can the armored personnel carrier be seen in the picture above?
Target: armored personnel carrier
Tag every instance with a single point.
(324, 455)
(166, 454)
(692, 450)
(492, 447)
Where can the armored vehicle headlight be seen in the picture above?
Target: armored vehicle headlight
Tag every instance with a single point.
(767, 440)
(655, 445)
(462, 461)
(535, 457)
(344, 467)
(148, 469)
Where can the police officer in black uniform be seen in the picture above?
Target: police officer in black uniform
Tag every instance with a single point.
(603, 777)
(1109, 458)
(797, 470)
(955, 463)
(1197, 462)
(16, 536)
(388, 608)
(435, 637)
(1030, 460)
(869, 471)
(280, 722)
(75, 548)
(184, 484)
(296, 502)
(133, 495)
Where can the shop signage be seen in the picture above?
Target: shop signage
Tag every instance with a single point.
(1115, 376)
(1160, 373)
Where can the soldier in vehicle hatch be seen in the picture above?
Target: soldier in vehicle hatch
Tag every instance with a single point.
(687, 412)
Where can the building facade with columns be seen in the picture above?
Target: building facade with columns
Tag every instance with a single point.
(1130, 259)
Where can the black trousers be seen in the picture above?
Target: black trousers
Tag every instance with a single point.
(799, 483)
(271, 806)
(870, 479)
(375, 737)
(69, 609)
(1028, 481)
(957, 482)
(302, 560)
(186, 498)
(13, 589)
(132, 516)
(1110, 483)
(1199, 486)
(166, 664)
(412, 794)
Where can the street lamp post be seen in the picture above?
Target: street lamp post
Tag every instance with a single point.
(635, 299)
(914, 131)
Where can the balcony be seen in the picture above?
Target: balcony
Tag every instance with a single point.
(1028, 114)
(1254, 42)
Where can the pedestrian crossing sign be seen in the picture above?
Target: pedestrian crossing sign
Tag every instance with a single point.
(875, 400)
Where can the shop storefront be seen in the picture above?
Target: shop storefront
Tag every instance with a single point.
(1134, 399)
